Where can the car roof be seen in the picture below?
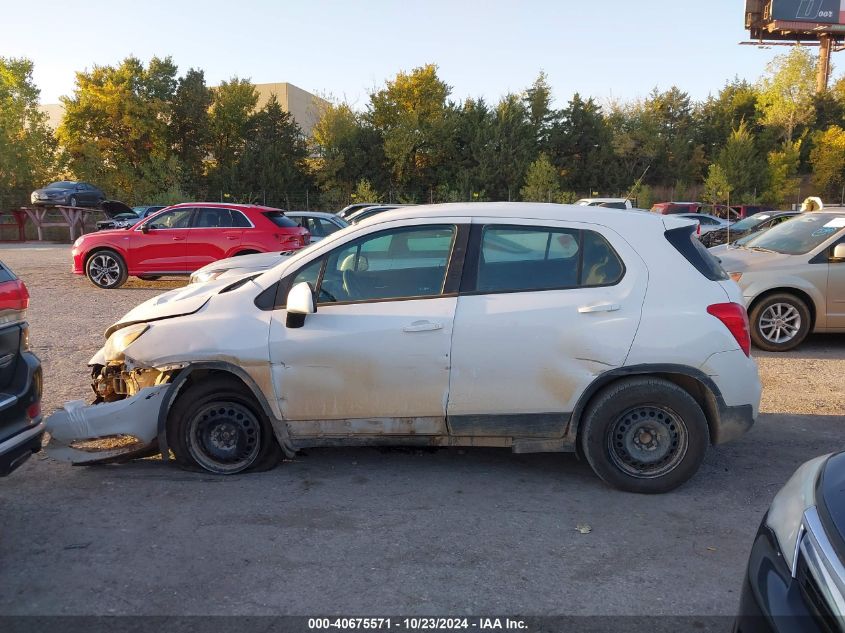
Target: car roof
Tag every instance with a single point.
(226, 205)
(526, 211)
(316, 214)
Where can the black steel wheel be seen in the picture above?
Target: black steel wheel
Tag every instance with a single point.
(216, 425)
(644, 434)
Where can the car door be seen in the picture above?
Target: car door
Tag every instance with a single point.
(544, 308)
(374, 359)
(160, 244)
(836, 290)
(215, 234)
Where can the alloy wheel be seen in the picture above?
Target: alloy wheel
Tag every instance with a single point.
(779, 323)
(104, 270)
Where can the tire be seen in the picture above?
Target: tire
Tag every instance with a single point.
(780, 322)
(106, 269)
(644, 435)
(72, 201)
(217, 426)
(149, 277)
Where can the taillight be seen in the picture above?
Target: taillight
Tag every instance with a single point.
(735, 318)
(14, 295)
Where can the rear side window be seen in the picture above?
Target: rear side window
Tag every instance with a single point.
(280, 219)
(540, 258)
(685, 242)
(6, 274)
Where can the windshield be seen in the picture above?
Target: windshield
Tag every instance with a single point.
(800, 235)
(62, 184)
(750, 222)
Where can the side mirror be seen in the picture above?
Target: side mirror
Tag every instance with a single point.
(145, 228)
(839, 251)
(300, 303)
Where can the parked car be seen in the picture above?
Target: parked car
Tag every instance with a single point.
(530, 326)
(235, 267)
(238, 267)
(368, 212)
(792, 278)
(756, 222)
(670, 208)
(706, 223)
(122, 217)
(180, 239)
(21, 427)
(795, 579)
(68, 193)
(610, 203)
(318, 224)
(348, 210)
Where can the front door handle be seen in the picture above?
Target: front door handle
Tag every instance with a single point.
(422, 326)
(178, 239)
(601, 307)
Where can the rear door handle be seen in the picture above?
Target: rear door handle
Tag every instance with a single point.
(422, 326)
(602, 307)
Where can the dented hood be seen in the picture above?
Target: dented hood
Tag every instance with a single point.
(175, 303)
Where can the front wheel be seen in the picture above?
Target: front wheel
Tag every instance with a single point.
(779, 323)
(644, 435)
(72, 201)
(217, 426)
(106, 269)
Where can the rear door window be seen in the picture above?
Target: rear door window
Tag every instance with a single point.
(521, 258)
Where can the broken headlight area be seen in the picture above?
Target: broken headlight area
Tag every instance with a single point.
(120, 379)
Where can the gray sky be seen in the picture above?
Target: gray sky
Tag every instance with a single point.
(601, 48)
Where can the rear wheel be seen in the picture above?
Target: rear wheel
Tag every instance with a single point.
(779, 322)
(216, 425)
(106, 269)
(644, 435)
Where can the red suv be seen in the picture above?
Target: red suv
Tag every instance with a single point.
(183, 238)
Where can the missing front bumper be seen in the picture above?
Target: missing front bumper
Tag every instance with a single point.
(76, 423)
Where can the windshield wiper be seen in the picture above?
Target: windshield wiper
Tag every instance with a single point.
(760, 249)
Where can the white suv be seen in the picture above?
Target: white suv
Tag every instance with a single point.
(530, 326)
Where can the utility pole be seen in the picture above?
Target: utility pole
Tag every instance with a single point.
(823, 71)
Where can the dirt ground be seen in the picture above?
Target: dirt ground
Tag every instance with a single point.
(365, 531)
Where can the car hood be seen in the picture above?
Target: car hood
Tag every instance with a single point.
(178, 302)
(115, 207)
(740, 260)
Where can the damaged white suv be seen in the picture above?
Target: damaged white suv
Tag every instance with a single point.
(530, 326)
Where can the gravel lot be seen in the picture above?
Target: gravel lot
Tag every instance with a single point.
(368, 531)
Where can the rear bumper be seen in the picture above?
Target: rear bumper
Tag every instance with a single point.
(16, 450)
(20, 434)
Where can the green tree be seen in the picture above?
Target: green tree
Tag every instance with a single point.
(27, 147)
(742, 164)
(190, 130)
(580, 144)
(272, 163)
(717, 188)
(410, 112)
(364, 192)
(346, 148)
(511, 149)
(542, 182)
(230, 118)
(538, 101)
(115, 129)
(828, 160)
(783, 165)
(787, 92)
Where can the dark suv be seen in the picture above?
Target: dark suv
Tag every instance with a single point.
(21, 427)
